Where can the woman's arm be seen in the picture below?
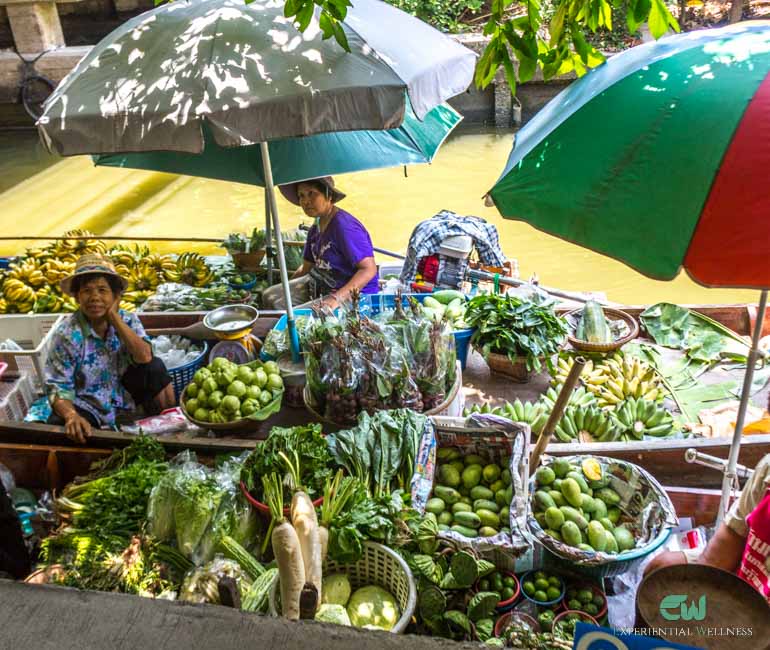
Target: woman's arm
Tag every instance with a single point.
(302, 270)
(76, 426)
(724, 550)
(138, 348)
(366, 269)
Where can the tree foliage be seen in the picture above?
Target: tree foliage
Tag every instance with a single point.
(556, 43)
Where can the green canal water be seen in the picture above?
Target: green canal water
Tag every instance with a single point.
(41, 194)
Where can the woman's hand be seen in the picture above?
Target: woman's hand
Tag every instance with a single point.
(77, 427)
(331, 301)
(113, 312)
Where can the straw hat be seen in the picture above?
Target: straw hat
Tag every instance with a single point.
(290, 191)
(90, 264)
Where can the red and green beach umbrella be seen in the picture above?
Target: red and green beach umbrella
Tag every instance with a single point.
(659, 158)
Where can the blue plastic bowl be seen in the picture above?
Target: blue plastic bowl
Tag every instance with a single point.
(248, 286)
(541, 603)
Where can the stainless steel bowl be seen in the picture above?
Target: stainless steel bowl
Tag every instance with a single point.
(231, 319)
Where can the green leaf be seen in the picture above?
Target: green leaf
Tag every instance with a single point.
(291, 7)
(557, 23)
(340, 37)
(658, 20)
(482, 605)
(305, 15)
(510, 74)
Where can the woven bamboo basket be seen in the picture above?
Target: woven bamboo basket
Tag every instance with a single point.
(610, 314)
(248, 261)
(501, 365)
(379, 566)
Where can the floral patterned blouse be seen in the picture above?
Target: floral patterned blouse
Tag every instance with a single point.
(86, 369)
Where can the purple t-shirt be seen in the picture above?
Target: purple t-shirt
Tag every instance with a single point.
(336, 251)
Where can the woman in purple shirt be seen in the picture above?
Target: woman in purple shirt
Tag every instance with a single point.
(338, 255)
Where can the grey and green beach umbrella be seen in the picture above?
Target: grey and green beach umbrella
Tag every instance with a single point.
(193, 72)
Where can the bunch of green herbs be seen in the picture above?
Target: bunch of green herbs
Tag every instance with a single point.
(307, 441)
(516, 327)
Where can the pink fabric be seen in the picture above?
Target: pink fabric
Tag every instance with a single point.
(755, 564)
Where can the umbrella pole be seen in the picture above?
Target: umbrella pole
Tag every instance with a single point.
(268, 240)
(730, 472)
(270, 189)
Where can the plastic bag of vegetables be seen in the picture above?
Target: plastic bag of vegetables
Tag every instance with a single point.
(201, 585)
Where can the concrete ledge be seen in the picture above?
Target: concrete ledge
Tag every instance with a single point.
(67, 619)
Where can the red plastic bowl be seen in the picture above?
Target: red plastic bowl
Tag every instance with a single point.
(505, 619)
(264, 509)
(506, 604)
(597, 591)
(585, 618)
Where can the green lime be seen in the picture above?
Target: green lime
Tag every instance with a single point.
(598, 601)
(591, 609)
(554, 581)
(539, 575)
(541, 584)
(553, 593)
(575, 604)
(529, 588)
(484, 584)
(509, 581)
(497, 582)
(506, 593)
(540, 596)
(585, 596)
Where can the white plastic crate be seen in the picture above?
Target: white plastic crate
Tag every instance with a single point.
(16, 396)
(33, 333)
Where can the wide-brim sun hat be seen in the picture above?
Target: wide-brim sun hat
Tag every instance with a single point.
(289, 190)
(91, 264)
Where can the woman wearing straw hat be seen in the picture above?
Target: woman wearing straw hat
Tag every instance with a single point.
(101, 364)
(338, 255)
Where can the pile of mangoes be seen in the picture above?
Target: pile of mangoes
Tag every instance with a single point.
(574, 505)
(472, 495)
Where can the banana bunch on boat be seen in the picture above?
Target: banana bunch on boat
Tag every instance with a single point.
(587, 424)
(191, 268)
(533, 413)
(622, 376)
(637, 418)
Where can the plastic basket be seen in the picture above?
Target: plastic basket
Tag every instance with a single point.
(378, 302)
(623, 561)
(33, 333)
(379, 566)
(182, 375)
(16, 396)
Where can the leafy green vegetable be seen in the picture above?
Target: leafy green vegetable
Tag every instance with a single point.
(515, 327)
(381, 449)
(702, 338)
(310, 445)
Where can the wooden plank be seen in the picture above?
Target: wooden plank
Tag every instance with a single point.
(34, 616)
(698, 504)
(35, 25)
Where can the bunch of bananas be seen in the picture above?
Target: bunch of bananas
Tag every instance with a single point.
(19, 296)
(142, 277)
(49, 300)
(68, 250)
(564, 364)
(533, 413)
(620, 377)
(580, 397)
(28, 272)
(191, 268)
(585, 424)
(56, 270)
(637, 418)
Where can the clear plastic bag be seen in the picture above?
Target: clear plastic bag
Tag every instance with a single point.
(201, 584)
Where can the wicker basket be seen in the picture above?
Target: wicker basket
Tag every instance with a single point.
(248, 261)
(500, 364)
(379, 566)
(613, 314)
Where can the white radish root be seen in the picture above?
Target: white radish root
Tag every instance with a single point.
(306, 524)
(291, 568)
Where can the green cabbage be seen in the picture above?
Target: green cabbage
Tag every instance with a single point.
(373, 605)
(331, 613)
(335, 589)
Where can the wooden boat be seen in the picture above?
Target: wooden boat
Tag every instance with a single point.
(45, 458)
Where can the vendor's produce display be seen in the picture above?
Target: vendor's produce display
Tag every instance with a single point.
(590, 510)
(594, 329)
(516, 327)
(472, 495)
(172, 296)
(239, 245)
(355, 363)
(449, 304)
(226, 393)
